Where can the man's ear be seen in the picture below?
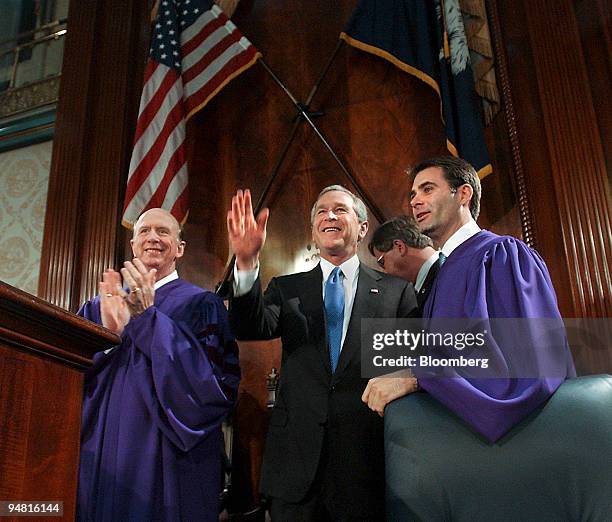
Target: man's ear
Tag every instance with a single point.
(363, 230)
(132, 245)
(180, 250)
(465, 194)
(401, 246)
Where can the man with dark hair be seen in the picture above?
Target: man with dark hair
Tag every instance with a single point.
(324, 458)
(402, 250)
(457, 173)
(151, 440)
(486, 276)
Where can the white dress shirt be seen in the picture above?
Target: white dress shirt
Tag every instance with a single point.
(245, 279)
(165, 280)
(424, 270)
(463, 234)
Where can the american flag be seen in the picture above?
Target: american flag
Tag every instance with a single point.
(195, 51)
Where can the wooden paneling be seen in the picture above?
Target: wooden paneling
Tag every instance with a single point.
(575, 154)
(32, 323)
(594, 18)
(561, 127)
(43, 352)
(528, 132)
(39, 448)
(562, 151)
(503, 141)
(103, 56)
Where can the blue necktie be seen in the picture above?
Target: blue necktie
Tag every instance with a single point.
(334, 314)
(441, 259)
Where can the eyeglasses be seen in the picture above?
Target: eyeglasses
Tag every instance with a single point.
(381, 260)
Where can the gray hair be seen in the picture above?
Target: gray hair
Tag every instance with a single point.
(403, 228)
(358, 205)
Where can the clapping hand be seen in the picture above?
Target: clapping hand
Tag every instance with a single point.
(141, 283)
(113, 309)
(117, 306)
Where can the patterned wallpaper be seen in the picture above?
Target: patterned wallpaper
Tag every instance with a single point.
(24, 177)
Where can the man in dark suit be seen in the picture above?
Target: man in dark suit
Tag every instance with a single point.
(402, 250)
(324, 453)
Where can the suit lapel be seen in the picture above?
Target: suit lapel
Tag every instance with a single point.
(365, 305)
(428, 283)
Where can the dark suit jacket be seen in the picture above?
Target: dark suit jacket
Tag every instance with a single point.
(318, 413)
(423, 293)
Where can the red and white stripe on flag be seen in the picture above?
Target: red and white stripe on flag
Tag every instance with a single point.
(195, 51)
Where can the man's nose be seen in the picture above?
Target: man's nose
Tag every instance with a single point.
(415, 201)
(331, 215)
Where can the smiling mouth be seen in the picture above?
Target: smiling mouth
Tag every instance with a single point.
(421, 216)
(149, 250)
(331, 229)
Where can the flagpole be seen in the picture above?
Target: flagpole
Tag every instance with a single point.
(303, 112)
(222, 286)
(318, 83)
(296, 125)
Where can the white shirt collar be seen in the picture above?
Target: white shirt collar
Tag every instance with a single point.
(165, 280)
(424, 270)
(350, 268)
(462, 235)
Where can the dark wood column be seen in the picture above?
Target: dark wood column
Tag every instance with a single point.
(561, 146)
(98, 103)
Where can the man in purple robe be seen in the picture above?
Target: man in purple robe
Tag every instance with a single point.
(485, 276)
(151, 440)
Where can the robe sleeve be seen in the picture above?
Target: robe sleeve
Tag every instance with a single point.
(509, 281)
(186, 367)
(91, 311)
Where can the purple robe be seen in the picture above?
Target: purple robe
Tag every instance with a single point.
(151, 440)
(490, 276)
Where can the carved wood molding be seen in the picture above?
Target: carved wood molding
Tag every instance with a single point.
(577, 160)
(38, 327)
(96, 117)
(524, 203)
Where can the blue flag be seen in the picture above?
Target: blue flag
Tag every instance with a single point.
(411, 35)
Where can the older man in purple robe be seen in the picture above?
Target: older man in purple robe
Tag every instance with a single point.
(485, 276)
(151, 441)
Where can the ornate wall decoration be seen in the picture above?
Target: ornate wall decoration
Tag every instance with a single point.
(29, 97)
(24, 177)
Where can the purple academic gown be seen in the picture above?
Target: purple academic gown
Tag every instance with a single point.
(151, 441)
(491, 276)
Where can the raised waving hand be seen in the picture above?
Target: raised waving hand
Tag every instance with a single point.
(246, 234)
